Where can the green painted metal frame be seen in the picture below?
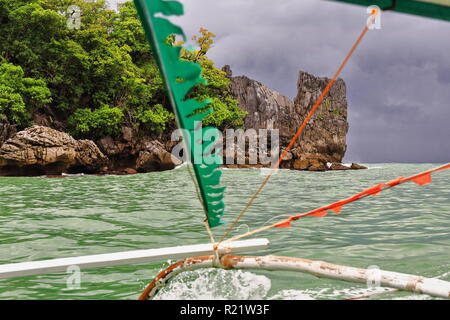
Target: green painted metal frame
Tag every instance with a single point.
(179, 78)
(425, 9)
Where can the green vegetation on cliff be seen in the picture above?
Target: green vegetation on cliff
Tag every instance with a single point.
(19, 96)
(92, 80)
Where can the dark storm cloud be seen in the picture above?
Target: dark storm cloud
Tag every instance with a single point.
(398, 82)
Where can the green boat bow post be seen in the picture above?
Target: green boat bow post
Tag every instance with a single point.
(179, 78)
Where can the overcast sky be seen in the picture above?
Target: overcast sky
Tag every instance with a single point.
(398, 81)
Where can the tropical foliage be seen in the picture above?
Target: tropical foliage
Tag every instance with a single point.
(20, 96)
(95, 78)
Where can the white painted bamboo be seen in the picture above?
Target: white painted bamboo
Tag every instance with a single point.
(431, 286)
(129, 257)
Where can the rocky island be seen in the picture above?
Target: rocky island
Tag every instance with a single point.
(95, 102)
(42, 150)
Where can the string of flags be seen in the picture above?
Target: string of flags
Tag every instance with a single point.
(420, 179)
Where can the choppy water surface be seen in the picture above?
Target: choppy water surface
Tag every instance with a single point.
(406, 229)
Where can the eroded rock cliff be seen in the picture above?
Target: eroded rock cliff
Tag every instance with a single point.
(324, 139)
(40, 150)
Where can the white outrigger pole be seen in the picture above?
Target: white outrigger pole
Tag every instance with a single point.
(128, 257)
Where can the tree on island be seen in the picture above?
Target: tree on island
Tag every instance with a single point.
(94, 79)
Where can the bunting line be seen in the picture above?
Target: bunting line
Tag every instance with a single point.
(421, 179)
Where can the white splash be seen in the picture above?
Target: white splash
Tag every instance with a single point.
(216, 284)
(220, 284)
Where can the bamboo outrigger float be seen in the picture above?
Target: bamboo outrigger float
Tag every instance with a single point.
(402, 281)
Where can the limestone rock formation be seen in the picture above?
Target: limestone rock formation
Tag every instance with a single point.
(131, 152)
(41, 150)
(323, 140)
(338, 166)
(325, 136)
(267, 109)
(89, 158)
(356, 166)
(155, 158)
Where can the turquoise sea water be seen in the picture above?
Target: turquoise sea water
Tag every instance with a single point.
(405, 229)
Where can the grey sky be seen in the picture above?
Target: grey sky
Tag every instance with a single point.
(398, 82)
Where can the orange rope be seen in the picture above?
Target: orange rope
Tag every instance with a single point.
(299, 131)
(421, 179)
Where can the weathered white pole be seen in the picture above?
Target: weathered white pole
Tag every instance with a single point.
(407, 282)
(402, 281)
(129, 257)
